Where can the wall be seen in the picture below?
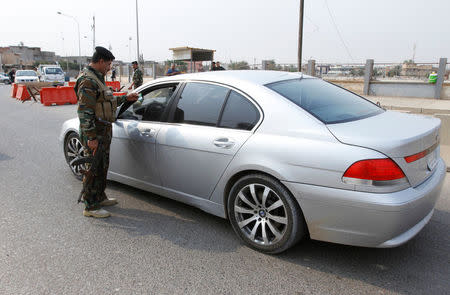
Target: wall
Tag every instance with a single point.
(356, 86)
(445, 94)
(402, 89)
(394, 88)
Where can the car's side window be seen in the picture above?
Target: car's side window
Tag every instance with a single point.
(200, 104)
(239, 113)
(151, 104)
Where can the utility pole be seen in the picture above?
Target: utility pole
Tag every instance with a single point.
(93, 31)
(300, 36)
(137, 30)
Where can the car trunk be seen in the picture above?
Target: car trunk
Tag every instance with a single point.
(397, 135)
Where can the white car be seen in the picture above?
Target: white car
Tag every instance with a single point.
(52, 74)
(4, 79)
(26, 76)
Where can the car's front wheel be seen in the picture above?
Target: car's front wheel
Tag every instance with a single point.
(264, 214)
(73, 150)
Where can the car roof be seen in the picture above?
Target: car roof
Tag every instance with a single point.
(258, 77)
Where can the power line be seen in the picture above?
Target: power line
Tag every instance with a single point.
(316, 27)
(337, 30)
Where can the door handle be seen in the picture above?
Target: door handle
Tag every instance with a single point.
(223, 143)
(147, 132)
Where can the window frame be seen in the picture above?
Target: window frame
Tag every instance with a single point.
(148, 89)
(223, 110)
(175, 101)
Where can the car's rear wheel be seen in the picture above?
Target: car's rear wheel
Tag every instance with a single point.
(73, 150)
(264, 214)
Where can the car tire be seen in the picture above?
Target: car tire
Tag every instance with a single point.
(73, 149)
(264, 214)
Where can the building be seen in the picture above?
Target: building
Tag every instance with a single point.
(25, 56)
(411, 69)
(75, 59)
(8, 57)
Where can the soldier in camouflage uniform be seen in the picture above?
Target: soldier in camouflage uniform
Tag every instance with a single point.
(96, 101)
(137, 76)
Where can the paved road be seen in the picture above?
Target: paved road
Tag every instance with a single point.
(153, 245)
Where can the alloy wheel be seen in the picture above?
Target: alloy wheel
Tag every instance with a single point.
(74, 151)
(261, 214)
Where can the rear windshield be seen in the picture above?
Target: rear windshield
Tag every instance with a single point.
(26, 73)
(325, 101)
(53, 71)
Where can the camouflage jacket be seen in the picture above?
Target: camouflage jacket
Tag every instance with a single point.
(87, 92)
(137, 78)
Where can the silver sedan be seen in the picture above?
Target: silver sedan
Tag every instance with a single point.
(283, 156)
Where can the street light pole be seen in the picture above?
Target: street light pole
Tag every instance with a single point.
(129, 48)
(79, 41)
(137, 30)
(93, 30)
(300, 36)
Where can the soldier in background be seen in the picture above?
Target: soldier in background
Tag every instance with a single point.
(113, 74)
(137, 76)
(96, 101)
(12, 75)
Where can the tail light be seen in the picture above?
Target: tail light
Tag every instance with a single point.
(377, 172)
(422, 154)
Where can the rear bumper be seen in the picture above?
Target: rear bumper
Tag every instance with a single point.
(368, 219)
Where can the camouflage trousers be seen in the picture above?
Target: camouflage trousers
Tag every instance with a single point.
(95, 189)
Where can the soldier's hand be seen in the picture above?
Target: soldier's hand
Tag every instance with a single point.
(132, 96)
(93, 145)
(129, 88)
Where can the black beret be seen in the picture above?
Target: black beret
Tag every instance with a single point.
(103, 53)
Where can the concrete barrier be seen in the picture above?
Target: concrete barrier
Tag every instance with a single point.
(445, 128)
(397, 88)
(445, 138)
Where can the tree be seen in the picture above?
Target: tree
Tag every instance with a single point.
(377, 72)
(271, 65)
(239, 65)
(290, 68)
(357, 72)
(395, 71)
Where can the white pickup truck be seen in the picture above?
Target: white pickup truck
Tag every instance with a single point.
(51, 73)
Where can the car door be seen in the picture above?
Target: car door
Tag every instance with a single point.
(134, 135)
(196, 147)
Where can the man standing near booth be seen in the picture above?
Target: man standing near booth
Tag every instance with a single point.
(137, 76)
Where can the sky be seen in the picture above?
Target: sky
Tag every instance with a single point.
(338, 31)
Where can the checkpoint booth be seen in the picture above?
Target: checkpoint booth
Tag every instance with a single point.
(194, 56)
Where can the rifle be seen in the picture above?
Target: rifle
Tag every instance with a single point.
(95, 168)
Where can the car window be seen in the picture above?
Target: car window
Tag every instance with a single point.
(200, 104)
(26, 73)
(327, 102)
(151, 104)
(239, 113)
(53, 71)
